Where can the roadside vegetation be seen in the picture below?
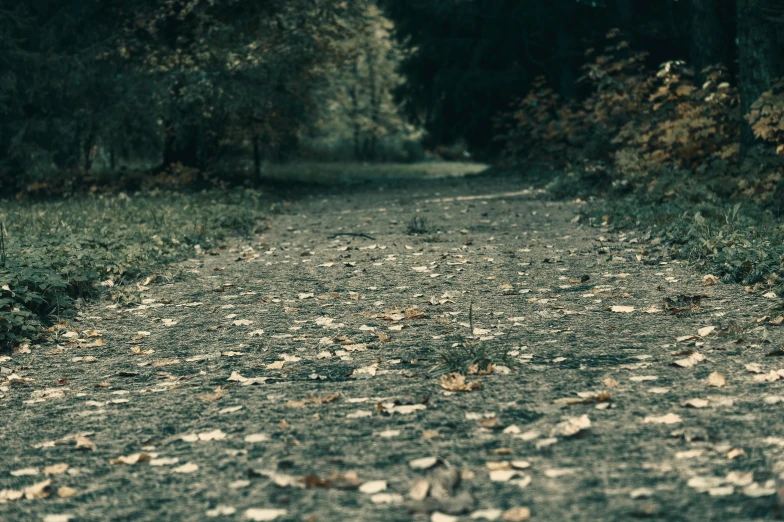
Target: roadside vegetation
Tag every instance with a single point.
(664, 150)
(55, 253)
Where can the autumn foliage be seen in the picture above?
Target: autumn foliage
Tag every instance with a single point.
(642, 122)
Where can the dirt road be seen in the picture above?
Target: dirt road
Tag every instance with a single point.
(291, 376)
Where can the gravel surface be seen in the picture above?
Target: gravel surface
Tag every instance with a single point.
(297, 375)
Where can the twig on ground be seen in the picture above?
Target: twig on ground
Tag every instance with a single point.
(354, 234)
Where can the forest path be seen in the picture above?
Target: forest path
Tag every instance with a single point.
(219, 419)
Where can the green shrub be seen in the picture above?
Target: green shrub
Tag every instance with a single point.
(52, 253)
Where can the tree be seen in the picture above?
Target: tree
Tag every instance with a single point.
(357, 103)
(709, 42)
(760, 59)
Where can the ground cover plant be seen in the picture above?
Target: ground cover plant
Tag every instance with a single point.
(55, 253)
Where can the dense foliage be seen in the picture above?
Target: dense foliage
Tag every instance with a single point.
(185, 87)
(53, 254)
(666, 147)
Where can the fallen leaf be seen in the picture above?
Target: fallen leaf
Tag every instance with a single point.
(709, 280)
(373, 486)
(456, 382)
(66, 492)
(220, 510)
(131, 459)
(670, 418)
(423, 463)
(734, 453)
(695, 403)
(164, 461)
(754, 490)
(437, 516)
(38, 490)
(517, 514)
(716, 380)
(572, 426)
(55, 469)
(618, 309)
(263, 515)
(690, 361)
(386, 498)
(189, 467)
(702, 332)
(486, 514)
(419, 490)
(24, 472)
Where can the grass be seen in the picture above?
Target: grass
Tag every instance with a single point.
(54, 253)
(418, 225)
(699, 218)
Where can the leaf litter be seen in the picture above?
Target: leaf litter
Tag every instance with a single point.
(260, 402)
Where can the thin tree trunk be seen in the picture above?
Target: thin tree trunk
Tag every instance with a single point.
(759, 59)
(708, 43)
(354, 95)
(375, 107)
(256, 155)
(88, 150)
(622, 17)
(567, 86)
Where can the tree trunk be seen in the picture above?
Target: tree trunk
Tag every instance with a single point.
(708, 43)
(759, 59)
(354, 95)
(622, 17)
(375, 107)
(88, 149)
(256, 155)
(567, 86)
(183, 149)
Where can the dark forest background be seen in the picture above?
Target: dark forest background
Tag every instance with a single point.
(180, 88)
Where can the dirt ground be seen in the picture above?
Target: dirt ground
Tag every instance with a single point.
(291, 376)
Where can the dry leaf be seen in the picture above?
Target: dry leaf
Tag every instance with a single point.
(423, 463)
(670, 418)
(572, 426)
(24, 472)
(716, 380)
(618, 309)
(734, 453)
(709, 280)
(456, 382)
(695, 403)
(264, 515)
(419, 490)
(189, 467)
(517, 514)
(66, 492)
(690, 361)
(702, 332)
(131, 459)
(55, 469)
(373, 486)
(38, 490)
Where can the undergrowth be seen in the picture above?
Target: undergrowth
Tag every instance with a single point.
(54, 253)
(729, 235)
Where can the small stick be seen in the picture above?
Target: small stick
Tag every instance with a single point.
(471, 316)
(333, 236)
